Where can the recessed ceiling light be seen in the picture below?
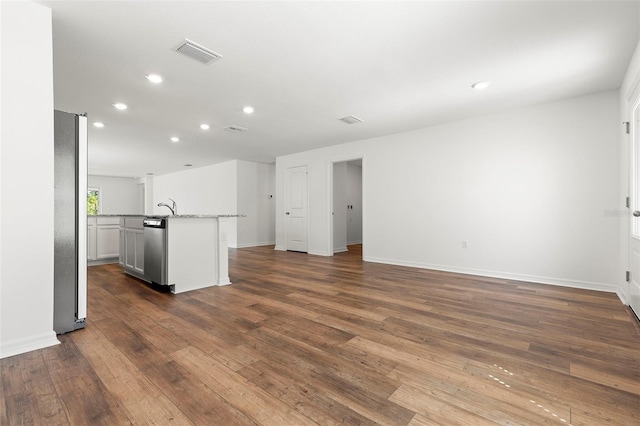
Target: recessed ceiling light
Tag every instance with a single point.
(98, 124)
(188, 165)
(204, 126)
(149, 174)
(248, 110)
(175, 139)
(479, 85)
(120, 106)
(154, 78)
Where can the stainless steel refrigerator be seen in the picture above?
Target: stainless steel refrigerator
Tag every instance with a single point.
(70, 222)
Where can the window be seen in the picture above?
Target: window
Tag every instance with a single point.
(93, 201)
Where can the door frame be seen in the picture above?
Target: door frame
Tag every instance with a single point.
(329, 213)
(632, 226)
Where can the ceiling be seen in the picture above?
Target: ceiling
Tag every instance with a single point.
(303, 65)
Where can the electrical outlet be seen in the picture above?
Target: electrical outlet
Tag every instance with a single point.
(465, 244)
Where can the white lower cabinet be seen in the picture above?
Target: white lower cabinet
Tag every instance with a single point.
(132, 248)
(107, 238)
(103, 238)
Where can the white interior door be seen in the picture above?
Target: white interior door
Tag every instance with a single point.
(296, 230)
(634, 240)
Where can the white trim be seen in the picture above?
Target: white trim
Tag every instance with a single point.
(340, 250)
(28, 344)
(585, 285)
(622, 297)
(319, 253)
(634, 191)
(280, 248)
(626, 290)
(81, 308)
(329, 212)
(267, 243)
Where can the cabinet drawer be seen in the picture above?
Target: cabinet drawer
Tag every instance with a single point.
(108, 220)
(133, 222)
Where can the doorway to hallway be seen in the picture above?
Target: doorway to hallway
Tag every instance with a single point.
(346, 206)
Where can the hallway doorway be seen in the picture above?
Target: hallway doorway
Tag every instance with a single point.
(347, 205)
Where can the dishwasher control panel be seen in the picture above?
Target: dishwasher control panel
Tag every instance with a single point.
(154, 222)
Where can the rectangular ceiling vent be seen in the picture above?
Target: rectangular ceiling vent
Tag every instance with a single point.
(197, 52)
(234, 128)
(350, 119)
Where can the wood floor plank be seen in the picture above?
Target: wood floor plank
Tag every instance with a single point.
(211, 344)
(300, 339)
(435, 411)
(551, 388)
(408, 352)
(256, 404)
(86, 399)
(468, 395)
(32, 394)
(140, 398)
(300, 394)
(198, 402)
(609, 375)
(360, 394)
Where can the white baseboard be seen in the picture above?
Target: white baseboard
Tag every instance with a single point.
(106, 261)
(354, 242)
(267, 243)
(340, 250)
(315, 253)
(28, 344)
(585, 285)
(622, 298)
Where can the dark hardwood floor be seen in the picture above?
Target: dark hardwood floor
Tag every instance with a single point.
(303, 340)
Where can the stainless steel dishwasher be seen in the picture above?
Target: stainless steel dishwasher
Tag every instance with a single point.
(155, 249)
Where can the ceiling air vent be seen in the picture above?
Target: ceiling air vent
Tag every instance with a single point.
(236, 129)
(197, 52)
(350, 119)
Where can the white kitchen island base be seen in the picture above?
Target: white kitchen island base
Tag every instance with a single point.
(197, 253)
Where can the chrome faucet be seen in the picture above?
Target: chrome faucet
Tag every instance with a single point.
(173, 207)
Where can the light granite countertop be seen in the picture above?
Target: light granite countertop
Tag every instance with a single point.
(177, 216)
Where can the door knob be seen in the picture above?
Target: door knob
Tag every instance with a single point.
(636, 213)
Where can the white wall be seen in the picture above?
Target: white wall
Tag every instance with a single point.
(147, 189)
(629, 86)
(119, 195)
(205, 190)
(26, 221)
(233, 187)
(256, 200)
(528, 189)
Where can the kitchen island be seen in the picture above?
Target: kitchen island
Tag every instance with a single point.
(194, 253)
